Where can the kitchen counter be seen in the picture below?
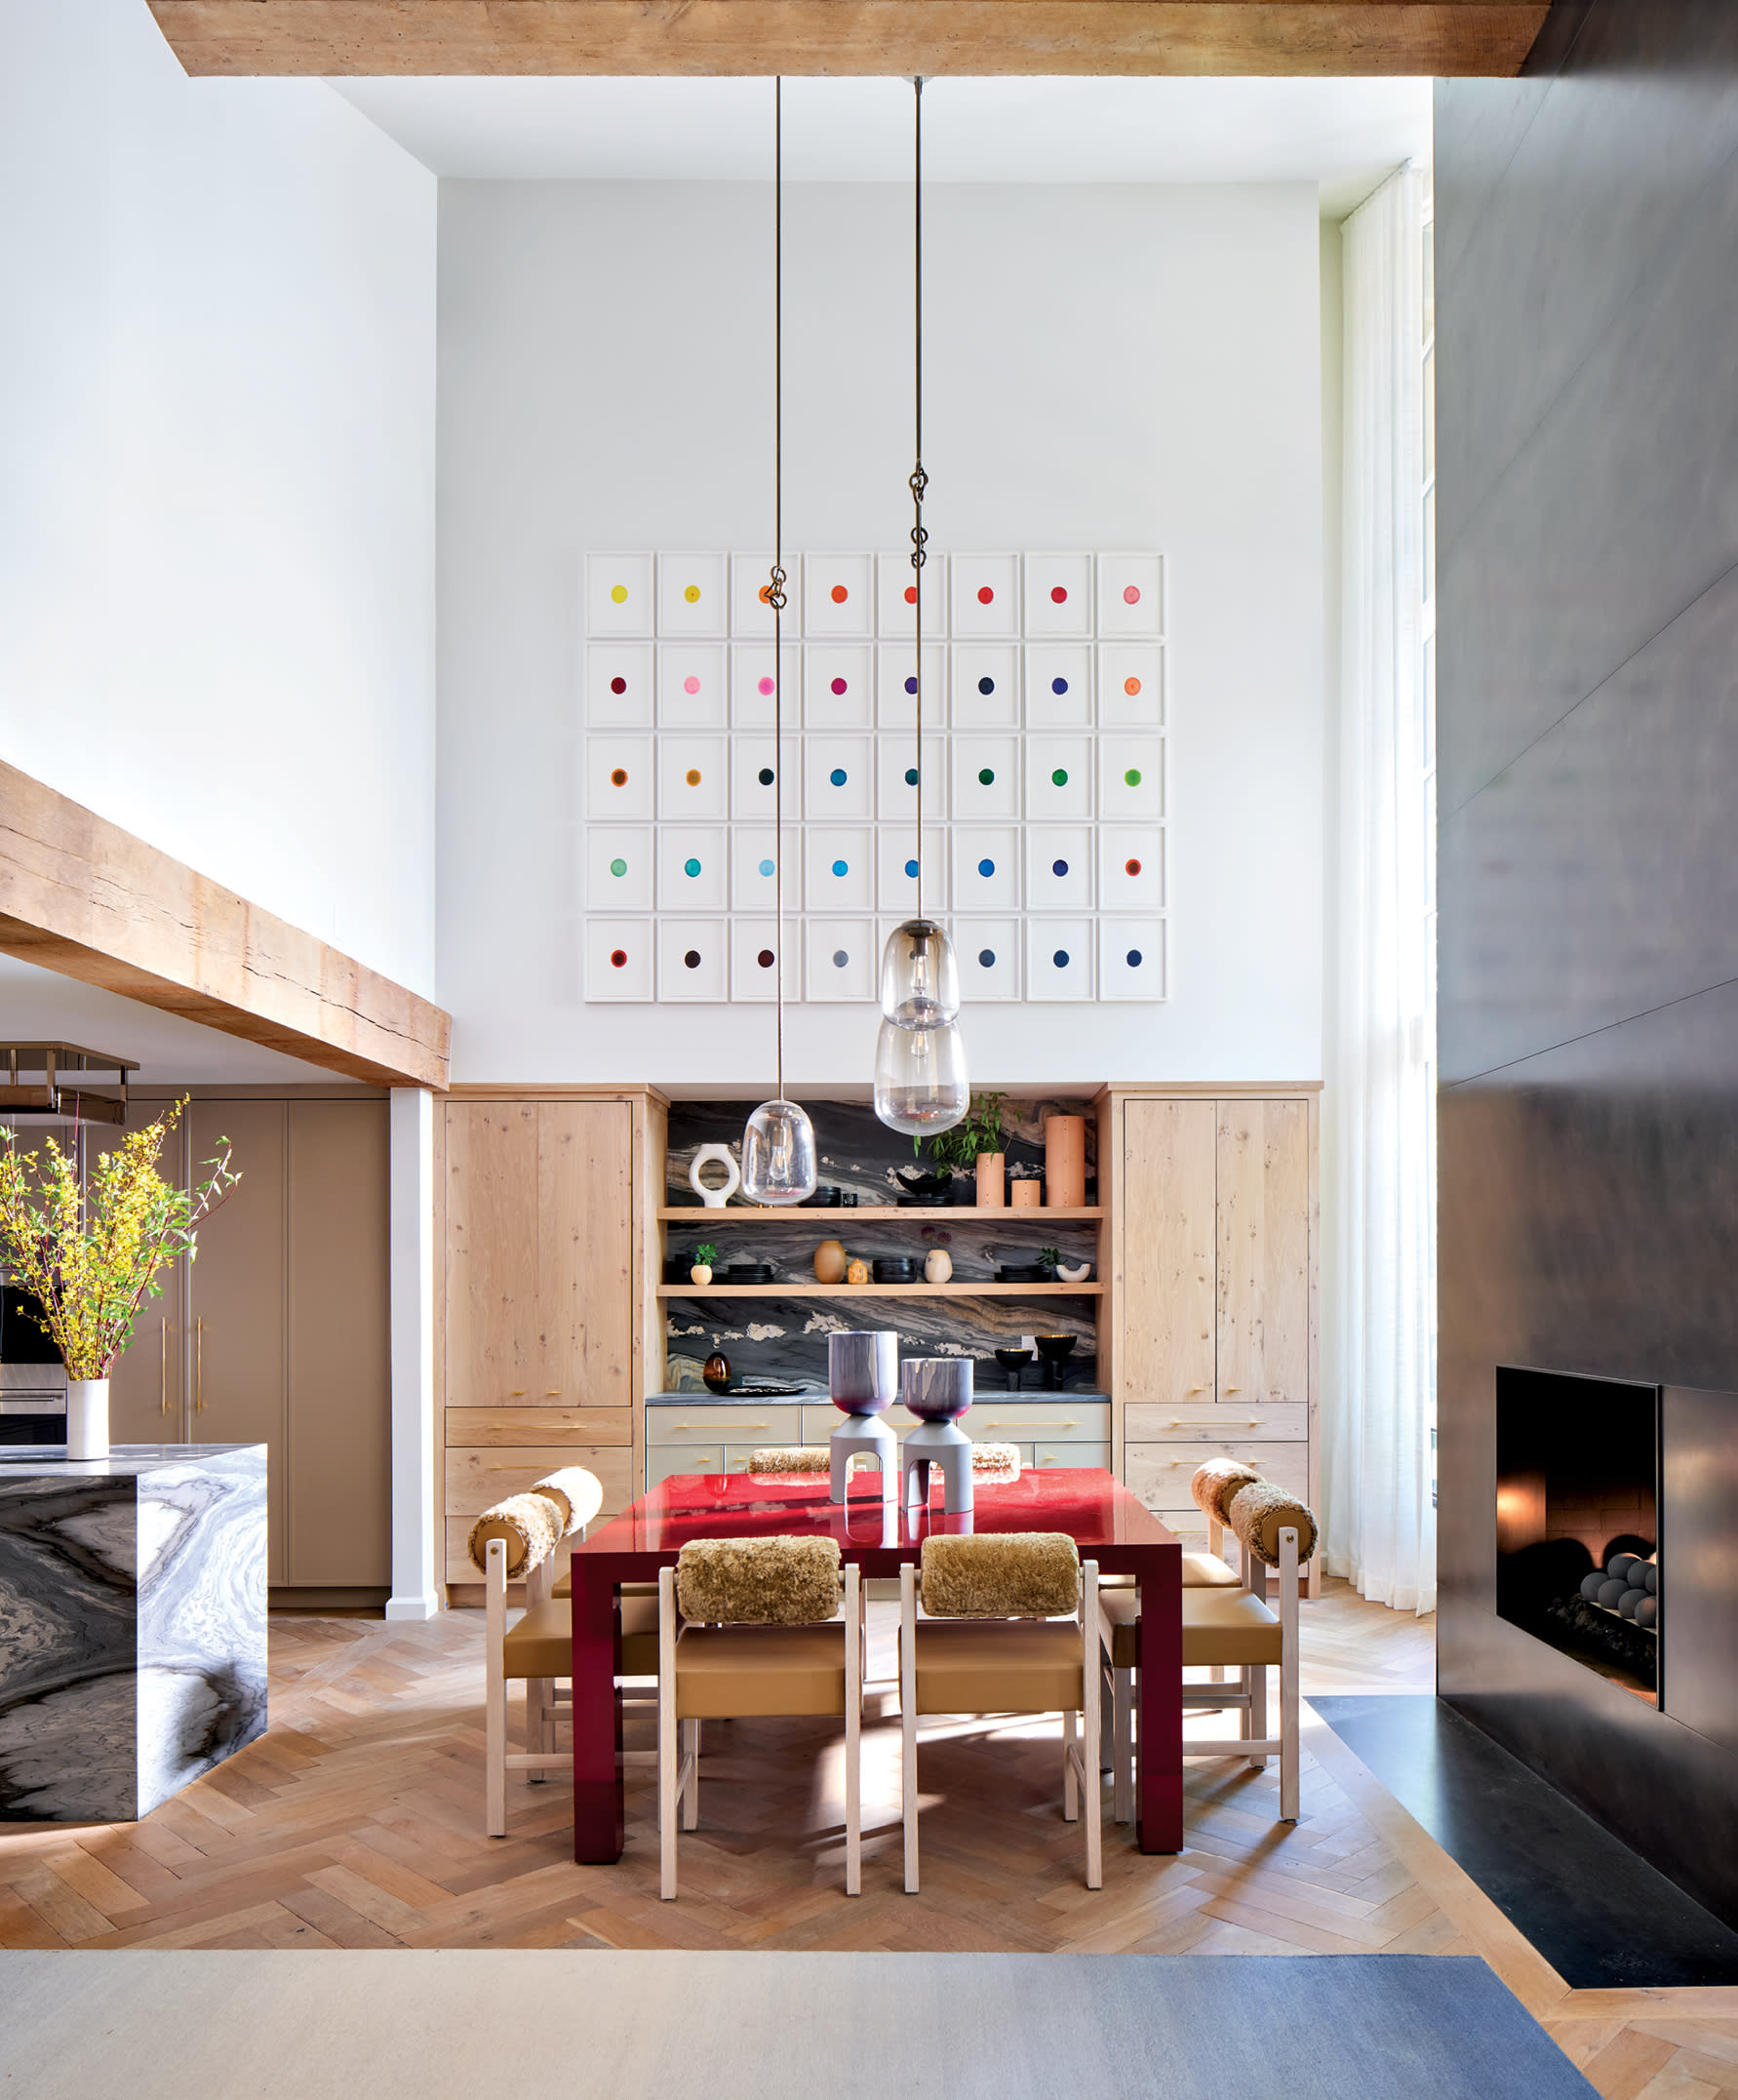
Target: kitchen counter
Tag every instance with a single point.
(132, 1624)
(819, 1397)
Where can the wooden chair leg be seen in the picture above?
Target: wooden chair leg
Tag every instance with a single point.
(1071, 1802)
(691, 1793)
(666, 1734)
(1257, 1676)
(1091, 1721)
(540, 1720)
(1107, 1724)
(1289, 1675)
(908, 1717)
(494, 1690)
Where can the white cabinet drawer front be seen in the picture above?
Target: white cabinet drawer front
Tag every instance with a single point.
(1152, 1422)
(663, 1459)
(819, 1422)
(1085, 1422)
(1047, 1456)
(1161, 1473)
(697, 1424)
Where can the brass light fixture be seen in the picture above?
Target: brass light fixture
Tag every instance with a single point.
(919, 1059)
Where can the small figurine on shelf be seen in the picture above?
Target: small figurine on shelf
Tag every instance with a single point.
(857, 1273)
(705, 1254)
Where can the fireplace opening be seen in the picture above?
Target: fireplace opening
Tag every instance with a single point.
(1578, 1562)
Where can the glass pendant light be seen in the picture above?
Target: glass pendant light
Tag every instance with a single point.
(778, 1159)
(919, 1060)
(919, 1078)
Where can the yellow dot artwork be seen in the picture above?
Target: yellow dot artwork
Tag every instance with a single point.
(692, 594)
(619, 595)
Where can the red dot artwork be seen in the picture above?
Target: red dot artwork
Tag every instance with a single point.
(1131, 868)
(617, 957)
(985, 595)
(839, 594)
(619, 685)
(839, 684)
(911, 594)
(1059, 595)
(1131, 594)
(619, 779)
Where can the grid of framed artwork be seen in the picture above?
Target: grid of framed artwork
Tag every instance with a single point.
(1045, 773)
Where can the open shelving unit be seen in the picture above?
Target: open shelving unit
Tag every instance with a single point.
(910, 1213)
(955, 1289)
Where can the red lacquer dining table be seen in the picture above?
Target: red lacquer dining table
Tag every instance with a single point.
(1107, 1523)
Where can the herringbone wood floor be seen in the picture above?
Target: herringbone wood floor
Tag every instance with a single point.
(355, 1822)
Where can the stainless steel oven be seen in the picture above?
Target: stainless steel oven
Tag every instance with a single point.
(32, 1404)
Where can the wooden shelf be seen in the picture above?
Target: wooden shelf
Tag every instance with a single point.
(757, 1214)
(955, 1289)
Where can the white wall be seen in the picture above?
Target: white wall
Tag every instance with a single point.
(216, 452)
(1107, 366)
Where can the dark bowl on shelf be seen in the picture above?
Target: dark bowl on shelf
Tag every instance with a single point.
(825, 1198)
(1015, 1359)
(748, 1272)
(896, 1269)
(1023, 1272)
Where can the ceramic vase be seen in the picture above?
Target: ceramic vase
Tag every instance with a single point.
(1025, 1194)
(938, 1265)
(1064, 1162)
(87, 1419)
(991, 1188)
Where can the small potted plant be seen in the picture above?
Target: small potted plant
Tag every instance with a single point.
(975, 1145)
(1051, 1257)
(705, 1254)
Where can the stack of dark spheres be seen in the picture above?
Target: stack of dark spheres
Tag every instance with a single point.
(1630, 1586)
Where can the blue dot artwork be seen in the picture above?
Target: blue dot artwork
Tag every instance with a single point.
(986, 685)
(691, 868)
(766, 867)
(911, 777)
(1060, 959)
(986, 867)
(840, 959)
(911, 868)
(911, 685)
(1134, 958)
(1058, 685)
(840, 867)
(987, 958)
(837, 776)
(1059, 867)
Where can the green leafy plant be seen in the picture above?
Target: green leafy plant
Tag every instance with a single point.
(1051, 1256)
(958, 1150)
(90, 1253)
(705, 1254)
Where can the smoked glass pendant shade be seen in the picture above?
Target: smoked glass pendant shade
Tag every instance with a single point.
(920, 982)
(919, 1078)
(779, 1162)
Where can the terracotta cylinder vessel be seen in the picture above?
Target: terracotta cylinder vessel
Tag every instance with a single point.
(1064, 1162)
(990, 1185)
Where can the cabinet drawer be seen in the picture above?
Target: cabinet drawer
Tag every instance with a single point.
(1087, 1422)
(1161, 1473)
(1153, 1423)
(540, 1425)
(1048, 1455)
(663, 1459)
(477, 1476)
(700, 1423)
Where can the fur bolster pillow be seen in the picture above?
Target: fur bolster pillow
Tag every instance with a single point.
(577, 1497)
(1215, 1483)
(1000, 1576)
(528, 1525)
(759, 1582)
(996, 1462)
(1260, 1512)
(790, 1458)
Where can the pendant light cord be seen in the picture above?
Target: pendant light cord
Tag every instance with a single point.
(776, 588)
(920, 481)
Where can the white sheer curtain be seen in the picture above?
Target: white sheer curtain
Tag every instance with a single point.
(1377, 1403)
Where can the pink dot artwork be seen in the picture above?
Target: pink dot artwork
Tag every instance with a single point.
(985, 595)
(839, 684)
(1131, 594)
(767, 686)
(691, 685)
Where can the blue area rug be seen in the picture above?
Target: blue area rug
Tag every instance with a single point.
(581, 2026)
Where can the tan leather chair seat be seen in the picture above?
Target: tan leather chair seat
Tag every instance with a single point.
(1219, 1626)
(1200, 1571)
(998, 1666)
(541, 1645)
(734, 1672)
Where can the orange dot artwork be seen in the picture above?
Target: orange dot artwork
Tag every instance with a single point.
(693, 777)
(911, 594)
(839, 594)
(619, 779)
(1132, 686)
(766, 593)
(1133, 868)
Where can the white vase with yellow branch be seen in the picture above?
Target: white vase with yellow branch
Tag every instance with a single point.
(90, 1249)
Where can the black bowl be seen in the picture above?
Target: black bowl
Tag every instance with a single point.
(748, 1272)
(1023, 1272)
(894, 1269)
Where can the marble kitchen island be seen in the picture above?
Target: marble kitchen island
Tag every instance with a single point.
(131, 1625)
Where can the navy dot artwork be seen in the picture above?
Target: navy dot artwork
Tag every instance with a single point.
(766, 776)
(840, 959)
(986, 685)
(1059, 867)
(911, 685)
(1058, 685)
(987, 958)
(1134, 958)
(1060, 959)
(986, 867)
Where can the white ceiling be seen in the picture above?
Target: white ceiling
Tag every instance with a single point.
(1344, 135)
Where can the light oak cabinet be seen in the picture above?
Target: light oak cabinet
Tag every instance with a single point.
(1212, 1317)
(545, 1298)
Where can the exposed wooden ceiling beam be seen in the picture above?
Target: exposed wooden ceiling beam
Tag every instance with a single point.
(851, 37)
(80, 896)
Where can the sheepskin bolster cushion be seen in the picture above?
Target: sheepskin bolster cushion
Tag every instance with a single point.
(997, 1462)
(577, 1497)
(1260, 1512)
(790, 1458)
(759, 1582)
(528, 1525)
(1215, 1483)
(1000, 1576)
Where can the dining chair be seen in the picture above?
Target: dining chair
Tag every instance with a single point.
(1226, 1625)
(1009, 1625)
(516, 1540)
(750, 1628)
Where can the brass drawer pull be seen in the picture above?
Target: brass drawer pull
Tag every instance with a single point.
(1036, 1421)
(199, 1366)
(163, 1370)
